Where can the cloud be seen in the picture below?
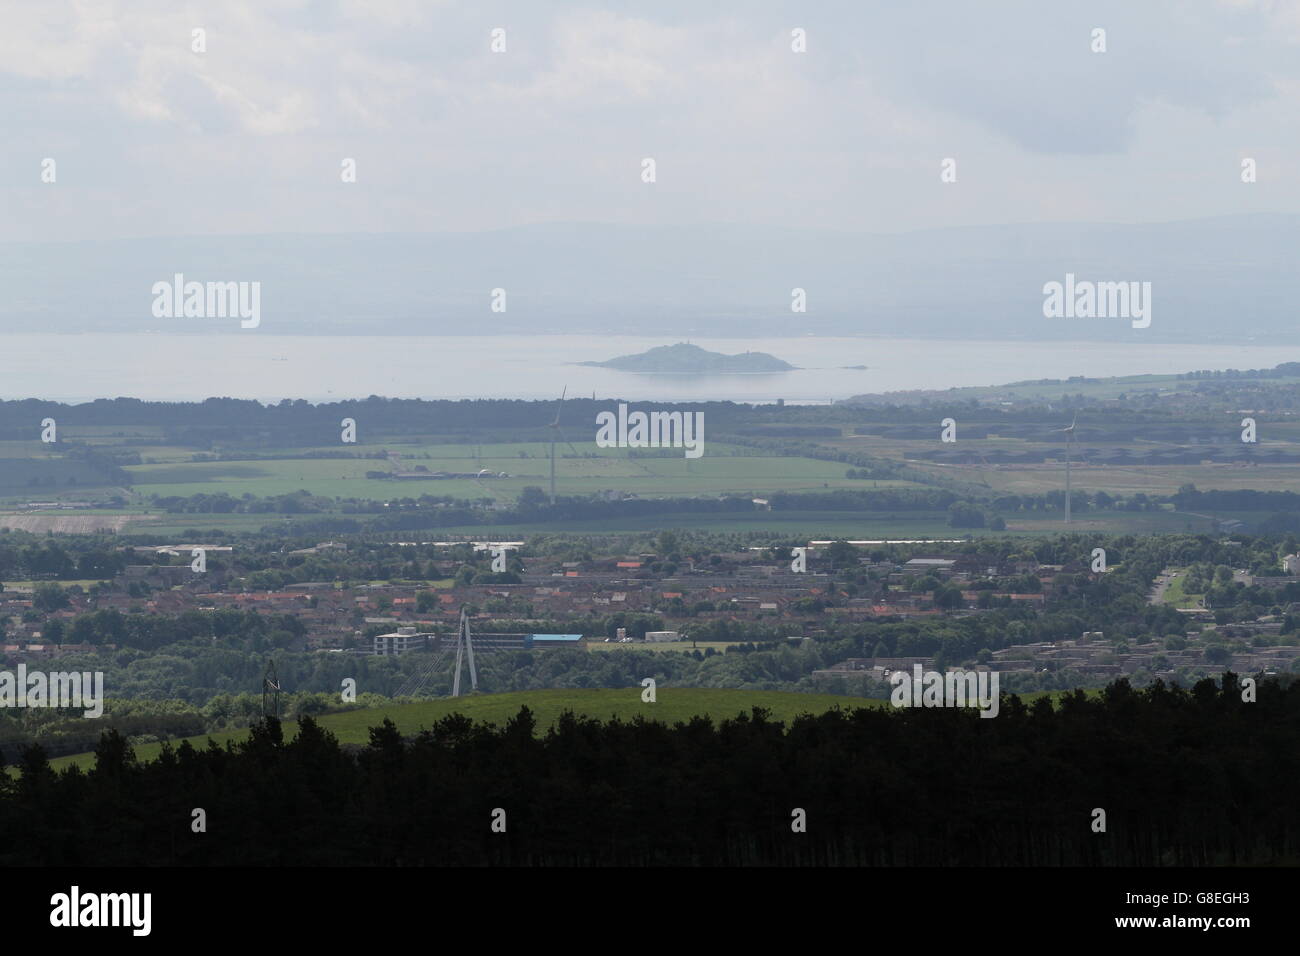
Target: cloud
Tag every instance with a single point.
(249, 135)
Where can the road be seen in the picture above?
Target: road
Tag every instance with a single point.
(1161, 586)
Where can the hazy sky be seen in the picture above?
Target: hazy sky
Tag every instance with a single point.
(151, 138)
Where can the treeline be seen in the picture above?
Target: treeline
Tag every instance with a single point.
(63, 731)
(355, 516)
(1080, 501)
(869, 787)
(1189, 498)
(249, 423)
(1284, 370)
(249, 629)
(25, 557)
(435, 511)
(884, 499)
(227, 424)
(294, 502)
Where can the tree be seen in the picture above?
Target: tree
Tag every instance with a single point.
(927, 584)
(667, 543)
(1217, 654)
(531, 498)
(48, 596)
(948, 598)
(841, 553)
(964, 514)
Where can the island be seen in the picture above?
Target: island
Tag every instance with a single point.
(684, 358)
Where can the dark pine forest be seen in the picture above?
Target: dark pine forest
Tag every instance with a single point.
(1185, 777)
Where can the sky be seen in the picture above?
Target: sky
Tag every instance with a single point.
(151, 138)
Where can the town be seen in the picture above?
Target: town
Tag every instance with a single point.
(991, 605)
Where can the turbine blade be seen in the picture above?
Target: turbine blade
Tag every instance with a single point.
(560, 431)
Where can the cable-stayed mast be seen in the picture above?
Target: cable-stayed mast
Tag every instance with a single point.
(465, 648)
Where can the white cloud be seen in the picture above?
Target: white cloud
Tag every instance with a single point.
(847, 135)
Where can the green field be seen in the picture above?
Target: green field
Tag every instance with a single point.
(725, 469)
(34, 471)
(672, 705)
(1147, 479)
(991, 476)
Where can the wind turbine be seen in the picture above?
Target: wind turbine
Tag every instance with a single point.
(556, 432)
(1069, 447)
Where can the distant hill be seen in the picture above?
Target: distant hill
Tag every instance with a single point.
(1230, 279)
(1284, 374)
(684, 358)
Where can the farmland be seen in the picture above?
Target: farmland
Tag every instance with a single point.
(173, 471)
(581, 468)
(209, 471)
(726, 469)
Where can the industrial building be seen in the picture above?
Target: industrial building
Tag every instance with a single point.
(403, 640)
(538, 641)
